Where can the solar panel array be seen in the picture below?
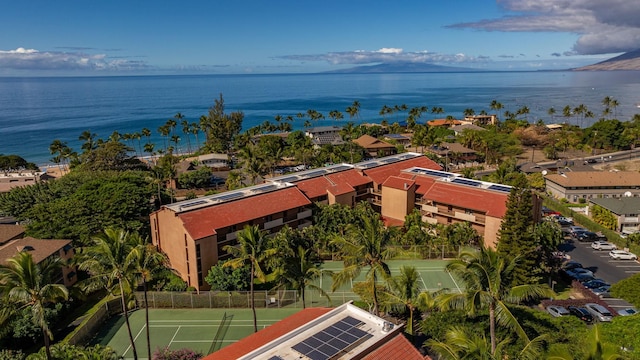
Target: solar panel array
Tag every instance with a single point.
(333, 341)
(192, 204)
(466, 182)
(434, 173)
(502, 188)
(229, 196)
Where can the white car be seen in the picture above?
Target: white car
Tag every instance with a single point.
(622, 255)
(627, 311)
(603, 245)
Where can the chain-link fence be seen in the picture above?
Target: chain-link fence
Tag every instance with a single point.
(239, 299)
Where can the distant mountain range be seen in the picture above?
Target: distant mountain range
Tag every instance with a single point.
(401, 67)
(626, 61)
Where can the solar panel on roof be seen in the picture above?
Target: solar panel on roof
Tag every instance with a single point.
(341, 168)
(314, 173)
(230, 196)
(389, 160)
(466, 182)
(435, 173)
(368, 165)
(265, 188)
(288, 179)
(333, 340)
(502, 188)
(192, 204)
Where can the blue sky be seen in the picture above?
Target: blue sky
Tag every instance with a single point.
(117, 37)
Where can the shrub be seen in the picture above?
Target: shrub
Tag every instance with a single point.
(180, 354)
(628, 289)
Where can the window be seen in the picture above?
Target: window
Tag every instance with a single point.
(468, 212)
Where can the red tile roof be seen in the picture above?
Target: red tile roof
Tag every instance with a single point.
(493, 203)
(444, 122)
(399, 183)
(267, 334)
(333, 182)
(381, 173)
(203, 222)
(423, 183)
(388, 222)
(397, 348)
(369, 142)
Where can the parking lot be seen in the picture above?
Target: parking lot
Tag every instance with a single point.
(602, 266)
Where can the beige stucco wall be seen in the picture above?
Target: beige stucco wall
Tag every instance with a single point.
(491, 228)
(396, 203)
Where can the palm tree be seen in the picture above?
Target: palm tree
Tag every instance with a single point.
(404, 291)
(253, 249)
(299, 271)
(149, 261)
(29, 285)
(89, 139)
(486, 276)
(552, 113)
(186, 130)
(111, 263)
(461, 344)
(364, 246)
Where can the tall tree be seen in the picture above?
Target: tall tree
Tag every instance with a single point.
(516, 231)
(487, 278)
(149, 263)
(366, 245)
(300, 269)
(112, 263)
(221, 128)
(404, 291)
(253, 249)
(29, 285)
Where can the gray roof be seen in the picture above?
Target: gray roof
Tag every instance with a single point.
(620, 206)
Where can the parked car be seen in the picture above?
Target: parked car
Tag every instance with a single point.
(571, 264)
(557, 311)
(599, 312)
(585, 236)
(622, 255)
(627, 312)
(595, 283)
(581, 313)
(602, 291)
(579, 271)
(574, 229)
(603, 245)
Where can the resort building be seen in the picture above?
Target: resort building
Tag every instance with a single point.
(216, 161)
(625, 209)
(400, 139)
(448, 123)
(344, 332)
(10, 180)
(482, 119)
(587, 185)
(41, 250)
(453, 152)
(325, 135)
(375, 147)
(193, 233)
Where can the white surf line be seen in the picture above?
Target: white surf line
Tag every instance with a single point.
(176, 334)
(134, 340)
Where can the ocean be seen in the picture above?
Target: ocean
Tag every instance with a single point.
(35, 111)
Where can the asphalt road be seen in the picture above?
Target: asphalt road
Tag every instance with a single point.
(600, 263)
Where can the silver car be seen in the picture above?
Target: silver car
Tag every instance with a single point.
(599, 312)
(557, 311)
(622, 255)
(603, 245)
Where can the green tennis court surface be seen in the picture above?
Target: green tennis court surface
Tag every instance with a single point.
(201, 330)
(195, 329)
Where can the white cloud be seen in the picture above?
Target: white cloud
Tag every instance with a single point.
(31, 59)
(603, 26)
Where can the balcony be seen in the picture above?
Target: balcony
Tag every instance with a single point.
(232, 236)
(465, 217)
(630, 220)
(304, 214)
(273, 223)
(429, 220)
(430, 208)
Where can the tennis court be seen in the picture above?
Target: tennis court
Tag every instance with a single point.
(195, 329)
(433, 277)
(205, 330)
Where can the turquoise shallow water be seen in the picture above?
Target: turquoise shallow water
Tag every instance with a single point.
(35, 111)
